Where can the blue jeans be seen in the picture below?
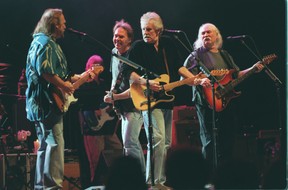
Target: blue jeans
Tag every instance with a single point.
(50, 155)
(131, 128)
(161, 121)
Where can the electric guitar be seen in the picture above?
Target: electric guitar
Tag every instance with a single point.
(139, 92)
(104, 116)
(63, 100)
(225, 91)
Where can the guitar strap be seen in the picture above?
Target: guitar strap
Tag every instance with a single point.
(199, 61)
(165, 60)
(196, 55)
(115, 90)
(118, 82)
(230, 63)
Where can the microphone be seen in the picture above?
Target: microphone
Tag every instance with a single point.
(172, 31)
(71, 30)
(236, 37)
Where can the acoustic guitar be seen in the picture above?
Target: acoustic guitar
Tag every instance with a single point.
(139, 92)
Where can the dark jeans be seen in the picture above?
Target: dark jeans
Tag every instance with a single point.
(225, 124)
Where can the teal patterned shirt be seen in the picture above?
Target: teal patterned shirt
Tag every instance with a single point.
(44, 56)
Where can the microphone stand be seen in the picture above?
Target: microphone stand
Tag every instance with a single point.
(3, 149)
(277, 84)
(205, 70)
(213, 80)
(182, 43)
(177, 38)
(147, 74)
(275, 79)
(150, 128)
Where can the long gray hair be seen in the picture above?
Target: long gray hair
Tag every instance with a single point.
(199, 43)
(49, 20)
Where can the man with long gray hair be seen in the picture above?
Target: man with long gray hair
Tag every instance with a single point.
(208, 51)
(46, 64)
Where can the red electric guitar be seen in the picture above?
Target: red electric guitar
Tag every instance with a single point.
(224, 95)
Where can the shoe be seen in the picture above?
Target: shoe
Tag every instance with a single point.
(209, 186)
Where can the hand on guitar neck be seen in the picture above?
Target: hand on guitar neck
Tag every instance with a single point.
(110, 98)
(224, 95)
(139, 91)
(63, 97)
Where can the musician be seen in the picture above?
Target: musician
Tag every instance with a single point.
(159, 55)
(46, 64)
(208, 50)
(131, 119)
(92, 109)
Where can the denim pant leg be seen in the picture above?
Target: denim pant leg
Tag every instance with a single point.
(205, 133)
(158, 140)
(50, 156)
(131, 127)
(168, 115)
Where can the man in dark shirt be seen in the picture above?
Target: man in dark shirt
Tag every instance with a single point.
(159, 55)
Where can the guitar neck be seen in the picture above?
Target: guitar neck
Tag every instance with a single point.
(237, 81)
(171, 86)
(266, 60)
(81, 81)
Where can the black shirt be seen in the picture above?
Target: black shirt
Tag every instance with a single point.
(145, 54)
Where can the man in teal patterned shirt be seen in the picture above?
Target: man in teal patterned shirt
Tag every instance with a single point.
(47, 65)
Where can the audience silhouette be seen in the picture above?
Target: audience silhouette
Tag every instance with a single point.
(236, 174)
(186, 168)
(275, 176)
(125, 173)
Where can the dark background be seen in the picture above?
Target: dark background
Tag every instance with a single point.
(264, 21)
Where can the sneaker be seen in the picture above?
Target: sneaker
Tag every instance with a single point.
(209, 186)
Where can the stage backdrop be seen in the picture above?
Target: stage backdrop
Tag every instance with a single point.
(263, 21)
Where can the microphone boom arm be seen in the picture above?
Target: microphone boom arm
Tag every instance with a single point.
(267, 69)
(134, 65)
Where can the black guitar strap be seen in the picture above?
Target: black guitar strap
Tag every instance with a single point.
(165, 60)
(118, 82)
(116, 91)
(230, 63)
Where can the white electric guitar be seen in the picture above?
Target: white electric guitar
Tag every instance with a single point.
(64, 100)
(105, 116)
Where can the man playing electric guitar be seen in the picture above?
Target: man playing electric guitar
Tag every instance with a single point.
(224, 89)
(46, 63)
(208, 50)
(98, 122)
(63, 99)
(119, 94)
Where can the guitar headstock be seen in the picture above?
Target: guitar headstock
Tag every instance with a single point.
(97, 69)
(269, 58)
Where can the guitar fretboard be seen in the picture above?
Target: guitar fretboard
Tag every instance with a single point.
(171, 86)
